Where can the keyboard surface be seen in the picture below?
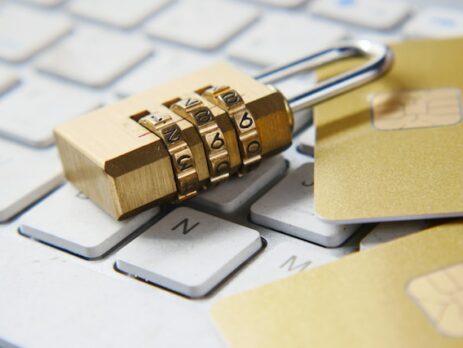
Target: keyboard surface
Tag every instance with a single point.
(72, 276)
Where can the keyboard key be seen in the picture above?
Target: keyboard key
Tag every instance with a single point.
(188, 252)
(7, 79)
(164, 66)
(94, 57)
(435, 23)
(203, 24)
(374, 14)
(295, 158)
(25, 176)
(120, 13)
(288, 208)
(70, 221)
(387, 231)
(230, 196)
(32, 110)
(24, 31)
(282, 261)
(258, 46)
(307, 141)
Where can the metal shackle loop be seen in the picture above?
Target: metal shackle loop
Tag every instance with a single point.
(381, 59)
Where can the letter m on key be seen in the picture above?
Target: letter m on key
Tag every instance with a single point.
(291, 266)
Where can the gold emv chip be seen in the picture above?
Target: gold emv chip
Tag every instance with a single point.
(440, 296)
(416, 109)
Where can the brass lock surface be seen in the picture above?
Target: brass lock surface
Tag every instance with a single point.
(170, 142)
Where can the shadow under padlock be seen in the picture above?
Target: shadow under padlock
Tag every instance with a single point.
(170, 142)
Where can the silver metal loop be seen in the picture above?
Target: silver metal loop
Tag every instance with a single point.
(381, 59)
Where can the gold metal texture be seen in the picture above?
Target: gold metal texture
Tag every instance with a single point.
(160, 122)
(193, 109)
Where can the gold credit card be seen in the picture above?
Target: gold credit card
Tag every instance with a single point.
(393, 149)
(405, 293)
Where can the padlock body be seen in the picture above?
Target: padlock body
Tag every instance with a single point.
(124, 168)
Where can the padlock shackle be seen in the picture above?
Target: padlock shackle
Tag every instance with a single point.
(381, 59)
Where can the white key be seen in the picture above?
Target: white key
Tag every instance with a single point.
(164, 66)
(267, 43)
(374, 14)
(204, 24)
(24, 31)
(282, 261)
(230, 196)
(188, 252)
(7, 79)
(32, 110)
(25, 176)
(435, 23)
(120, 13)
(288, 208)
(283, 3)
(94, 57)
(70, 221)
(387, 231)
(307, 141)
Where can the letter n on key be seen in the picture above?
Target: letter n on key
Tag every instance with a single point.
(185, 226)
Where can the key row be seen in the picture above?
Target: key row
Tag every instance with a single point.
(177, 251)
(63, 218)
(227, 18)
(359, 12)
(86, 47)
(286, 207)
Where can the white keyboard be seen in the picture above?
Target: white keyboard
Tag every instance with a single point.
(72, 276)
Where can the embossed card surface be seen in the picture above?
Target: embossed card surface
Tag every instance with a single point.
(393, 149)
(402, 294)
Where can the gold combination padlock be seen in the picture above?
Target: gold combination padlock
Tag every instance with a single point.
(170, 142)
